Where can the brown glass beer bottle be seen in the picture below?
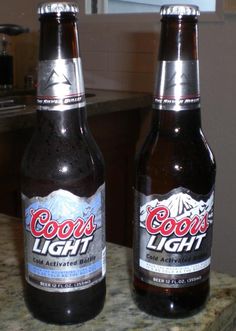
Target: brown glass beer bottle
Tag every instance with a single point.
(175, 176)
(63, 184)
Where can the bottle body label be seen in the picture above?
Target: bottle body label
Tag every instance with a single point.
(177, 86)
(60, 85)
(173, 237)
(64, 241)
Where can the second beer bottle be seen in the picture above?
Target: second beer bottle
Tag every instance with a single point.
(63, 184)
(175, 178)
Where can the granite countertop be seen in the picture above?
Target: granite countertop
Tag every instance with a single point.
(99, 102)
(120, 312)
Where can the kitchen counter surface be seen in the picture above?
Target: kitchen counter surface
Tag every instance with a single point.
(99, 102)
(120, 312)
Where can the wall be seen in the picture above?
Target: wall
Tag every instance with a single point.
(121, 54)
(218, 73)
(24, 48)
(21, 12)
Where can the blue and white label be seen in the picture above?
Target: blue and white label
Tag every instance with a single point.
(65, 240)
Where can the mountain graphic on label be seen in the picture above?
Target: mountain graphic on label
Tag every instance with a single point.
(177, 79)
(56, 78)
(181, 204)
(65, 205)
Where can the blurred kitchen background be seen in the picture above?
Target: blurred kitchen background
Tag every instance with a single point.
(119, 52)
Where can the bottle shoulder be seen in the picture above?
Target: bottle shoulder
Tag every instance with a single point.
(63, 161)
(176, 146)
(169, 162)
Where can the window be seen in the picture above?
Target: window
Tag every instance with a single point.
(130, 6)
(141, 6)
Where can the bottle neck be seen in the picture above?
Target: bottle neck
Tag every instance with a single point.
(182, 124)
(177, 83)
(64, 124)
(179, 39)
(60, 79)
(58, 37)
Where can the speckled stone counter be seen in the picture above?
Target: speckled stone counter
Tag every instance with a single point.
(120, 312)
(99, 102)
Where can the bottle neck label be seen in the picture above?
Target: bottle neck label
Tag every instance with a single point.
(177, 86)
(60, 85)
(173, 237)
(65, 240)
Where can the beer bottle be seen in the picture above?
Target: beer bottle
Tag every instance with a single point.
(174, 187)
(63, 184)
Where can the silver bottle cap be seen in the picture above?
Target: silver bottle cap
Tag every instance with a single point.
(180, 10)
(57, 7)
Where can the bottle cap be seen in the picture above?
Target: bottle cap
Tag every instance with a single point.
(57, 7)
(180, 10)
